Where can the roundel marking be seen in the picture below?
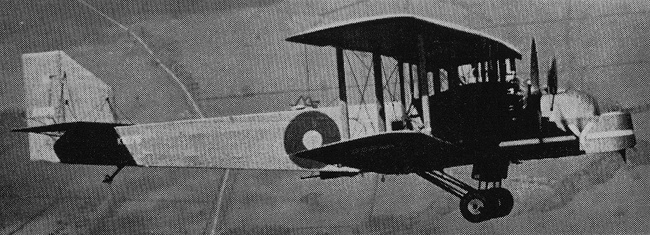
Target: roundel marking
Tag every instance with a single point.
(309, 130)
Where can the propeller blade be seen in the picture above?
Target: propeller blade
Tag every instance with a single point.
(552, 78)
(534, 68)
(623, 155)
(552, 82)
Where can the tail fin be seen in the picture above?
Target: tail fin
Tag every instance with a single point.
(59, 90)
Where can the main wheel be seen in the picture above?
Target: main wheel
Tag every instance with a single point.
(504, 200)
(475, 207)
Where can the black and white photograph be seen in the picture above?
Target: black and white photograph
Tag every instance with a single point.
(324, 117)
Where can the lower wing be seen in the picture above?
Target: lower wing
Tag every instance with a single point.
(388, 153)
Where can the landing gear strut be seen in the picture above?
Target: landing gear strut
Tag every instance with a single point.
(108, 179)
(476, 205)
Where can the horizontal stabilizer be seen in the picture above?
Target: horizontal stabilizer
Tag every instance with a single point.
(62, 127)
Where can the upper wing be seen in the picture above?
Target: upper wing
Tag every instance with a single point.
(397, 36)
(391, 153)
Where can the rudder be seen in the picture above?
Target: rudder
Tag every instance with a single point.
(60, 90)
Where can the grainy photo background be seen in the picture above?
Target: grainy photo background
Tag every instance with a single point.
(233, 57)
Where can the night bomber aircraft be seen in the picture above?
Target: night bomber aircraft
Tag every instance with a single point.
(488, 119)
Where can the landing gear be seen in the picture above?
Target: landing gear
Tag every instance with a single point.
(476, 205)
(504, 201)
(108, 179)
(483, 205)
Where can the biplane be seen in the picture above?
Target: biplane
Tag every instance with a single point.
(488, 118)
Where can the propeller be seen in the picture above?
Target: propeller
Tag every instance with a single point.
(534, 93)
(552, 78)
(623, 155)
(552, 87)
(534, 74)
(534, 69)
(552, 81)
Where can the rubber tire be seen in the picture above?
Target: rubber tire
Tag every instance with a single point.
(476, 214)
(504, 201)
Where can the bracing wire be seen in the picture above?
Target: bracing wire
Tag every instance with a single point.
(395, 84)
(71, 108)
(118, 111)
(358, 86)
(36, 119)
(368, 68)
(387, 88)
(99, 107)
(387, 85)
(362, 92)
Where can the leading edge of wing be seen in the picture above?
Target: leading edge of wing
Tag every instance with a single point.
(391, 152)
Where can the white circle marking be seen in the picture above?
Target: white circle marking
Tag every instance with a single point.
(312, 139)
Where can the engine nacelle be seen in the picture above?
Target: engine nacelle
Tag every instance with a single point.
(610, 132)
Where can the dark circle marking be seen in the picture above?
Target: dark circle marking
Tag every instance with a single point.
(299, 126)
